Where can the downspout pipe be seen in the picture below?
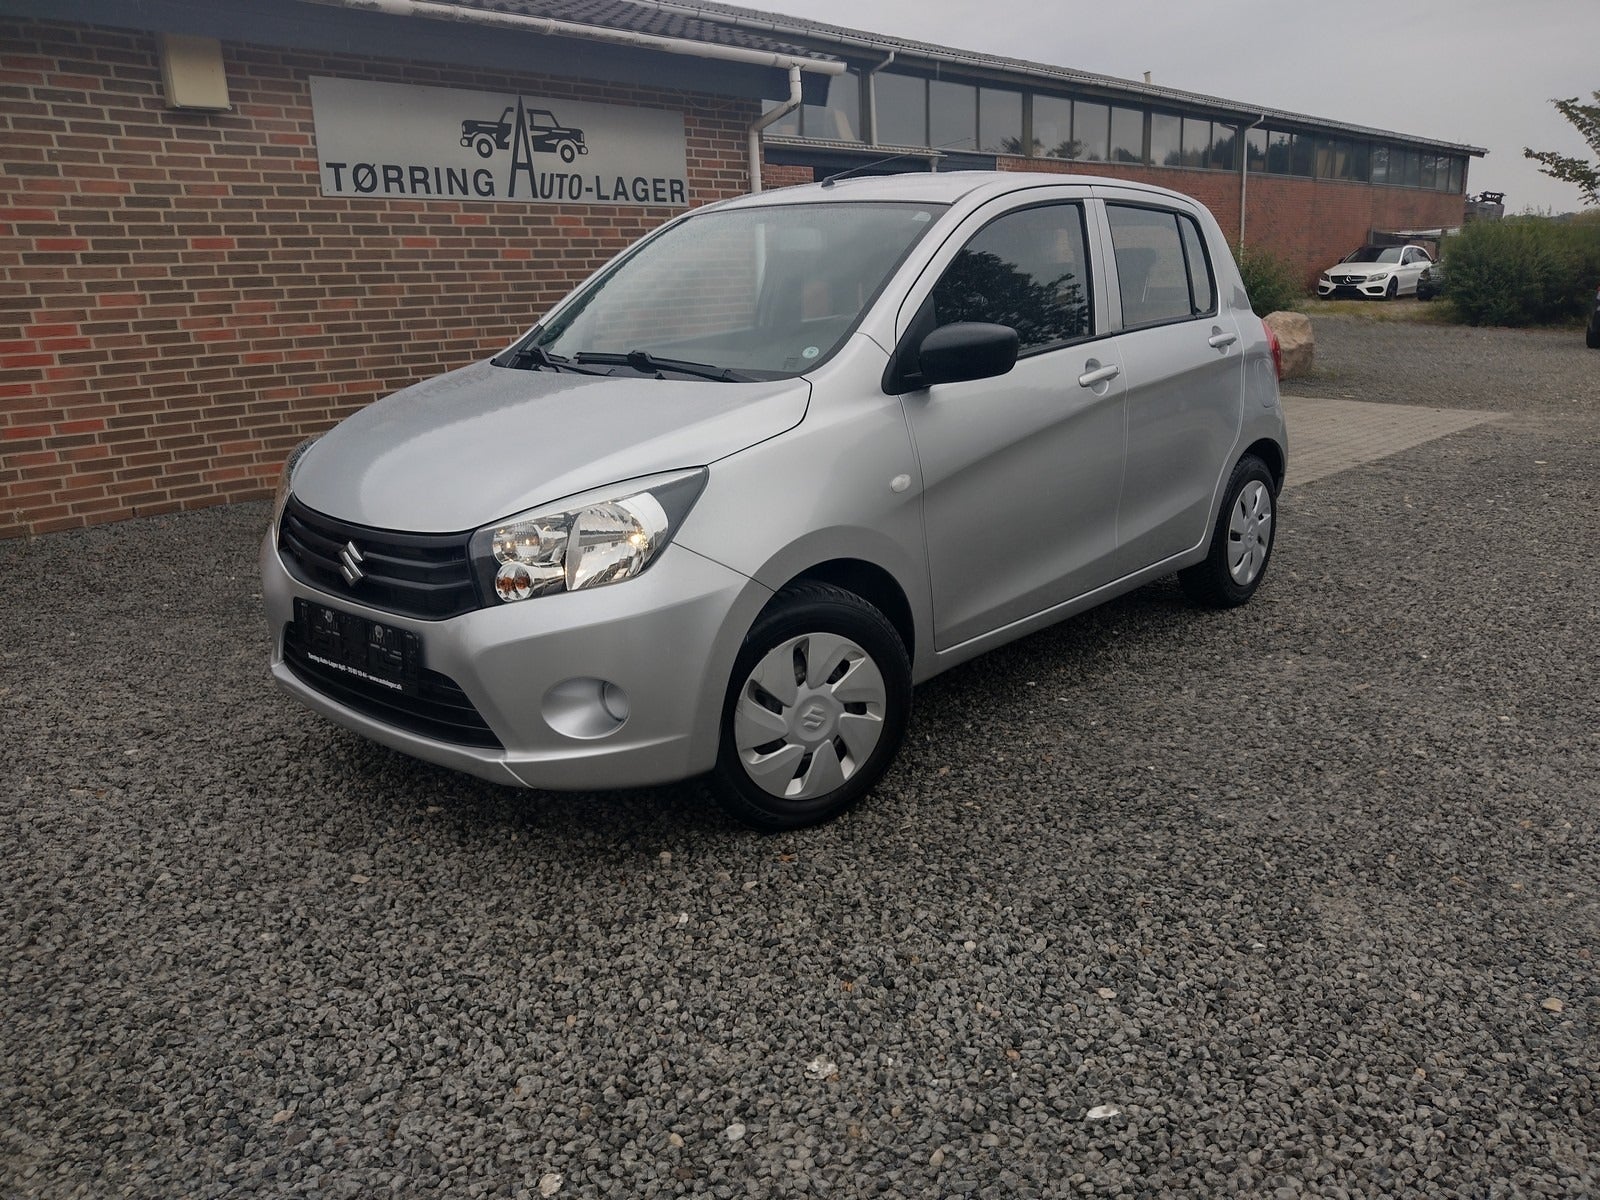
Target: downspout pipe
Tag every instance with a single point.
(1244, 170)
(777, 114)
(872, 97)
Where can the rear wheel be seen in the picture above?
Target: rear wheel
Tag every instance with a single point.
(484, 145)
(1241, 541)
(815, 710)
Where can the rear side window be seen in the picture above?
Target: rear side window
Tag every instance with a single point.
(1163, 273)
(1027, 269)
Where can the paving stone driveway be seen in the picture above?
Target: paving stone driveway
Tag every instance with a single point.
(1329, 436)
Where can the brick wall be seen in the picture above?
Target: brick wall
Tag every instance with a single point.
(181, 304)
(1312, 223)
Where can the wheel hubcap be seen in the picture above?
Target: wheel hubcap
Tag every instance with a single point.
(1250, 533)
(809, 716)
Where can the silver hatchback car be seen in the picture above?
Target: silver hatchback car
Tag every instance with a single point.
(781, 460)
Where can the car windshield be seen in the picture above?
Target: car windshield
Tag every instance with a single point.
(756, 292)
(1376, 254)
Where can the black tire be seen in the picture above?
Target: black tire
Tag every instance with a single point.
(1591, 335)
(1211, 582)
(800, 612)
(484, 145)
(1393, 290)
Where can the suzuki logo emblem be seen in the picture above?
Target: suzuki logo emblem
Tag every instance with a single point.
(350, 564)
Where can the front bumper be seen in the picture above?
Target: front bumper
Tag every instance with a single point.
(1373, 289)
(667, 638)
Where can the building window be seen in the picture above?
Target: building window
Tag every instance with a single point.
(1091, 130)
(1166, 140)
(1000, 122)
(1052, 127)
(1196, 142)
(1255, 145)
(902, 109)
(787, 125)
(1224, 147)
(1127, 135)
(1280, 151)
(1303, 155)
(1458, 170)
(952, 115)
(839, 120)
(1412, 176)
(1380, 164)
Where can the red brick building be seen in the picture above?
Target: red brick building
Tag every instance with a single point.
(195, 279)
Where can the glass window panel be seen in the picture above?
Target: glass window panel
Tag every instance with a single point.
(1151, 274)
(1196, 142)
(1000, 122)
(952, 115)
(1028, 270)
(1091, 129)
(1224, 141)
(1302, 155)
(1380, 164)
(1413, 169)
(1202, 285)
(1256, 148)
(1429, 170)
(1457, 174)
(1127, 135)
(1359, 165)
(1052, 127)
(1280, 148)
(839, 120)
(787, 126)
(1166, 140)
(902, 109)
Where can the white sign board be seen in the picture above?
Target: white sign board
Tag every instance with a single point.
(388, 140)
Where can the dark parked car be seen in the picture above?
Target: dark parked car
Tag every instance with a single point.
(1431, 282)
(1592, 334)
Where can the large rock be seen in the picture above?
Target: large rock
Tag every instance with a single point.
(1295, 342)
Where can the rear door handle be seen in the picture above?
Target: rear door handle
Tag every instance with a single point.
(1099, 375)
(1219, 340)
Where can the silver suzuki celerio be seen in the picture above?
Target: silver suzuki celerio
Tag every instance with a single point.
(776, 463)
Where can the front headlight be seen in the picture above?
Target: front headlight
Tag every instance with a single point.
(586, 541)
(1379, 277)
(281, 498)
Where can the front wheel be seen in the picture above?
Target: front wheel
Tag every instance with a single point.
(568, 152)
(484, 145)
(1241, 541)
(815, 710)
(1393, 290)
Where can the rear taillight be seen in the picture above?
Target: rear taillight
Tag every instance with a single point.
(1277, 350)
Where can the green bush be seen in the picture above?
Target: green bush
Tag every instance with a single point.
(1269, 279)
(1522, 271)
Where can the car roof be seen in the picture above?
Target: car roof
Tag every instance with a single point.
(932, 187)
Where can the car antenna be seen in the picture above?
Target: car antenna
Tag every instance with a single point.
(878, 162)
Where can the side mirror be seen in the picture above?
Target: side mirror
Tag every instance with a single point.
(966, 350)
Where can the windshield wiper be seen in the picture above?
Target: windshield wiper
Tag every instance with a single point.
(648, 364)
(531, 356)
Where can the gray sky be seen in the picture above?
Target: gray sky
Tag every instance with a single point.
(1481, 72)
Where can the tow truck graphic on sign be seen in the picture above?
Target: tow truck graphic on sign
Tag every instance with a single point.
(545, 134)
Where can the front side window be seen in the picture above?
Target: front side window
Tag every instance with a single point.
(762, 292)
(1163, 273)
(1027, 269)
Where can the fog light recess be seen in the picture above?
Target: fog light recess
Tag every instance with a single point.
(585, 708)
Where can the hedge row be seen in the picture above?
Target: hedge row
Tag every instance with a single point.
(1523, 271)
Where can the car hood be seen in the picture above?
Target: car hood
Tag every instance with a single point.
(483, 442)
(1362, 269)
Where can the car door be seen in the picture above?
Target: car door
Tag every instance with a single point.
(1412, 265)
(1183, 365)
(1020, 473)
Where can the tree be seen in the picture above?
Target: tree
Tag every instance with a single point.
(1586, 119)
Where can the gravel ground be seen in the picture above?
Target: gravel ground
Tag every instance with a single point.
(1303, 896)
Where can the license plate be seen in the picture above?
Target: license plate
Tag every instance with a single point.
(378, 654)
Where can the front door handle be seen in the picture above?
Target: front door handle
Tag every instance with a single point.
(1099, 375)
(1219, 340)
